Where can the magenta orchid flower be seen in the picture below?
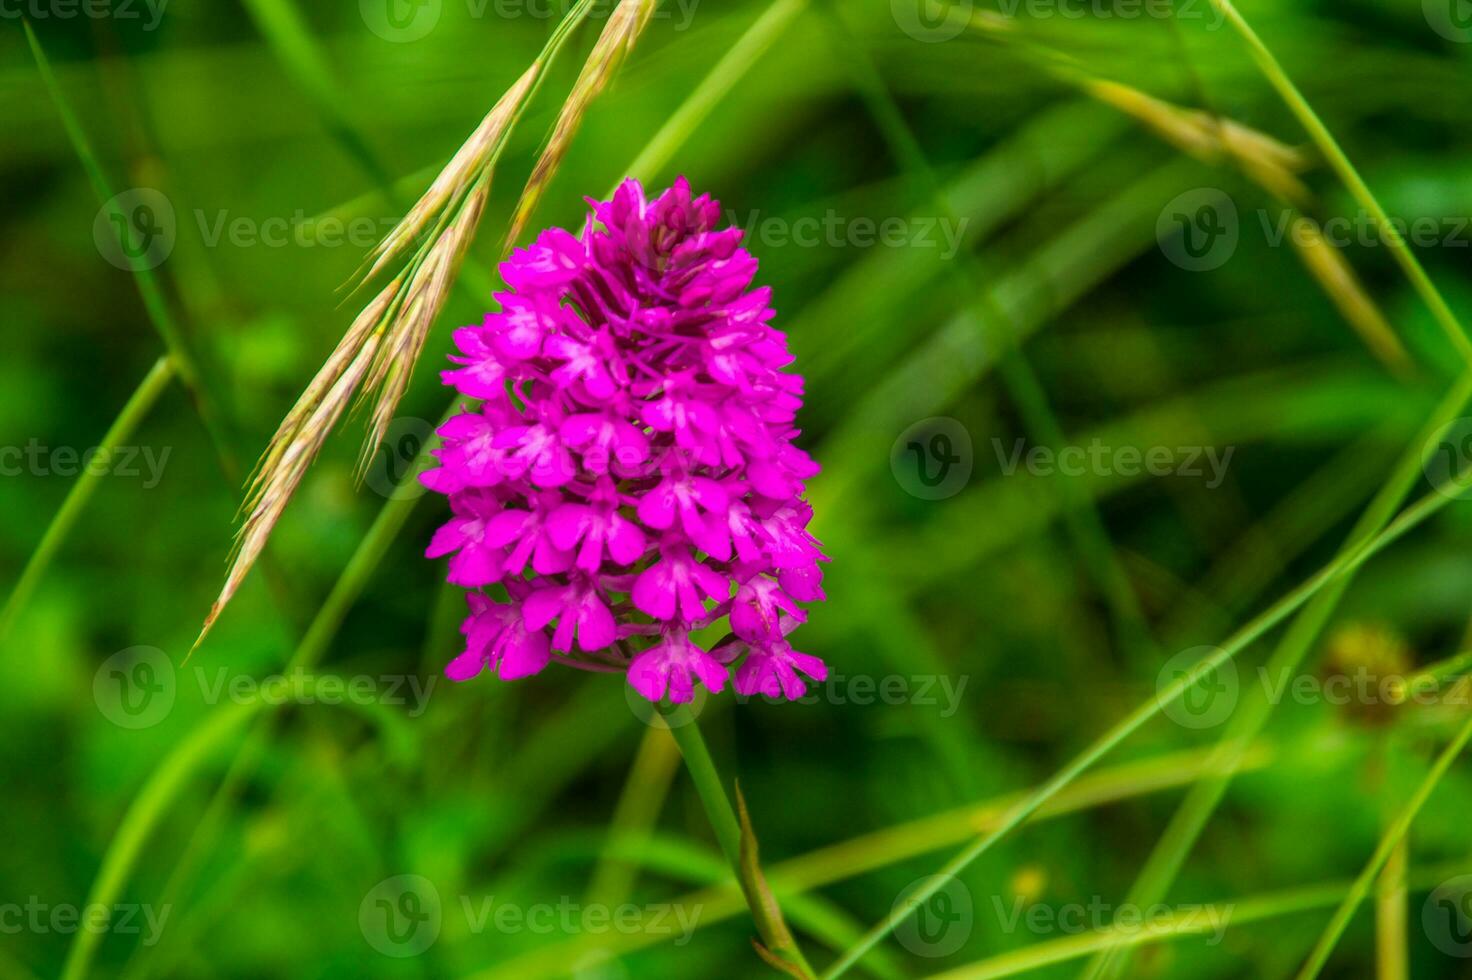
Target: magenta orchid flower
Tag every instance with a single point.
(625, 465)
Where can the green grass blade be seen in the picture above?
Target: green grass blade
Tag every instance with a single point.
(152, 802)
(1345, 563)
(1186, 826)
(1392, 837)
(1206, 919)
(732, 67)
(148, 285)
(137, 407)
(1340, 161)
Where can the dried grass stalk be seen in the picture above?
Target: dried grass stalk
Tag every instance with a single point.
(423, 298)
(1344, 289)
(285, 463)
(1212, 139)
(462, 170)
(619, 36)
(376, 357)
(381, 347)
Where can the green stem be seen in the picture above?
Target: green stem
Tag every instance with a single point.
(1190, 819)
(152, 802)
(148, 285)
(707, 782)
(138, 406)
(1388, 843)
(765, 913)
(1337, 158)
(1345, 563)
(1392, 946)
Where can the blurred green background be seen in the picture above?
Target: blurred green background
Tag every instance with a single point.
(981, 630)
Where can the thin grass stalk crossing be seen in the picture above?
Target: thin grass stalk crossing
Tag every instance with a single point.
(1191, 818)
(395, 513)
(1391, 839)
(157, 306)
(1080, 516)
(1345, 563)
(139, 404)
(1339, 160)
(1392, 945)
(1241, 911)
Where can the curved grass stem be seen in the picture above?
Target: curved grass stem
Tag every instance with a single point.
(1191, 818)
(1339, 160)
(1348, 561)
(739, 848)
(152, 802)
(138, 406)
(1391, 839)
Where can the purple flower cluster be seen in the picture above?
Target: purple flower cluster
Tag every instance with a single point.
(629, 475)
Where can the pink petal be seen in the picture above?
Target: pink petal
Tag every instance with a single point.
(541, 607)
(596, 629)
(653, 592)
(466, 665)
(649, 674)
(525, 653)
(625, 541)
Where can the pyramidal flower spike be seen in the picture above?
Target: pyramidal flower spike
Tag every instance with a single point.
(625, 468)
